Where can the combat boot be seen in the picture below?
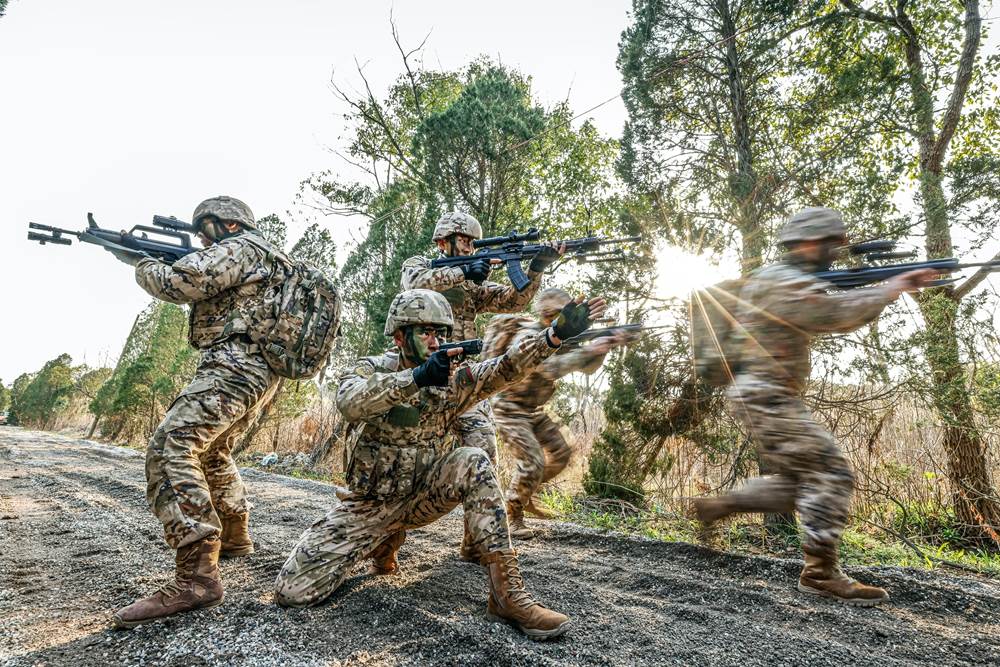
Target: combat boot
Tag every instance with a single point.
(515, 521)
(236, 536)
(384, 555)
(196, 585)
(468, 553)
(822, 576)
(534, 508)
(510, 602)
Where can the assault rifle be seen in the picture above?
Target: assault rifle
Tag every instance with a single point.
(469, 347)
(515, 248)
(168, 239)
(633, 331)
(874, 251)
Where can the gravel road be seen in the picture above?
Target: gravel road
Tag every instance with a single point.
(77, 542)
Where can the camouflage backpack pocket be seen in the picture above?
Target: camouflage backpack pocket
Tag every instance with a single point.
(384, 471)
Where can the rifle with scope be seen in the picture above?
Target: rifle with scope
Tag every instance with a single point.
(883, 250)
(168, 239)
(514, 248)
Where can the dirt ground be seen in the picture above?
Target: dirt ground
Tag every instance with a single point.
(77, 542)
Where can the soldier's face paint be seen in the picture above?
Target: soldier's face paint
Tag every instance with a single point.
(421, 341)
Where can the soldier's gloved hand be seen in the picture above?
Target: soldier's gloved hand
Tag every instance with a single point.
(435, 371)
(546, 257)
(477, 271)
(577, 316)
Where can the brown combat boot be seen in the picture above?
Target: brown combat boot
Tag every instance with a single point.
(384, 555)
(515, 519)
(510, 602)
(236, 536)
(196, 585)
(822, 576)
(534, 508)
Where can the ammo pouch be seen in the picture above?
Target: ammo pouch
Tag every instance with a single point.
(385, 471)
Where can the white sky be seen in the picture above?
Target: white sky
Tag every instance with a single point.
(132, 107)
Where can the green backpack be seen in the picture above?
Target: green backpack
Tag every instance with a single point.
(715, 339)
(297, 321)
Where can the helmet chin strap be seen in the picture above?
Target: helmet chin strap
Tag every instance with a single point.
(453, 245)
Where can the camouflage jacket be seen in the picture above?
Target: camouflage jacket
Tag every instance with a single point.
(467, 299)
(537, 388)
(222, 282)
(783, 307)
(396, 429)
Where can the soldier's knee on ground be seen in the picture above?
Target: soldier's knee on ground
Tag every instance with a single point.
(289, 591)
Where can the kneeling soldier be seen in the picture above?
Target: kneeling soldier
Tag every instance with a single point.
(404, 473)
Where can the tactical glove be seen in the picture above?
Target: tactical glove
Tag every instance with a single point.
(433, 372)
(544, 259)
(572, 320)
(476, 271)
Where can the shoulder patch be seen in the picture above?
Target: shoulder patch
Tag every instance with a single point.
(465, 377)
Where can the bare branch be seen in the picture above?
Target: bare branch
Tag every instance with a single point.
(973, 281)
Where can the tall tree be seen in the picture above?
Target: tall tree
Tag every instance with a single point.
(945, 136)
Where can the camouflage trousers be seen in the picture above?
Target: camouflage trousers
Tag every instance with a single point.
(813, 477)
(191, 478)
(538, 448)
(326, 552)
(476, 428)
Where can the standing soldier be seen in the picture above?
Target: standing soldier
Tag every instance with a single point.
(782, 308)
(404, 471)
(192, 483)
(539, 450)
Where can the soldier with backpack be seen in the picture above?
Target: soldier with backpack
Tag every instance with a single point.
(757, 340)
(256, 315)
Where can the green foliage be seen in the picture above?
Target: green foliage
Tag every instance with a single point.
(4, 397)
(155, 363)
(316, 247)
(473, 140)
(38, 398)
(273, 230)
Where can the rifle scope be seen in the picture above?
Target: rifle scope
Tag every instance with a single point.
(513, 237)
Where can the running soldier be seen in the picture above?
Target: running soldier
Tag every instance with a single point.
(782, 308)
(405, 472)
(470, 294)
(192, 483)
(533, 438)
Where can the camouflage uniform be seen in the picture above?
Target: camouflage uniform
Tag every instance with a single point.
(191, 477)
(467, 299)
(532, 437)
(783, 307)
(403, 471)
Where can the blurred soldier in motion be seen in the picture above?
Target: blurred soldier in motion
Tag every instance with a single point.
(404, 471)
(781, 308)
(533, 438)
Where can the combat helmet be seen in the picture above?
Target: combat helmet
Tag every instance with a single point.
(456, 222)
(226, 209)
(418, 306)
(812, 224)
(550, 301)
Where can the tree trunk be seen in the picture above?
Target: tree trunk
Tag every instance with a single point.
(93, 427)
(973, 495)
(258, 423)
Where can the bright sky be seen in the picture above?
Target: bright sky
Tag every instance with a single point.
(130, 108)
